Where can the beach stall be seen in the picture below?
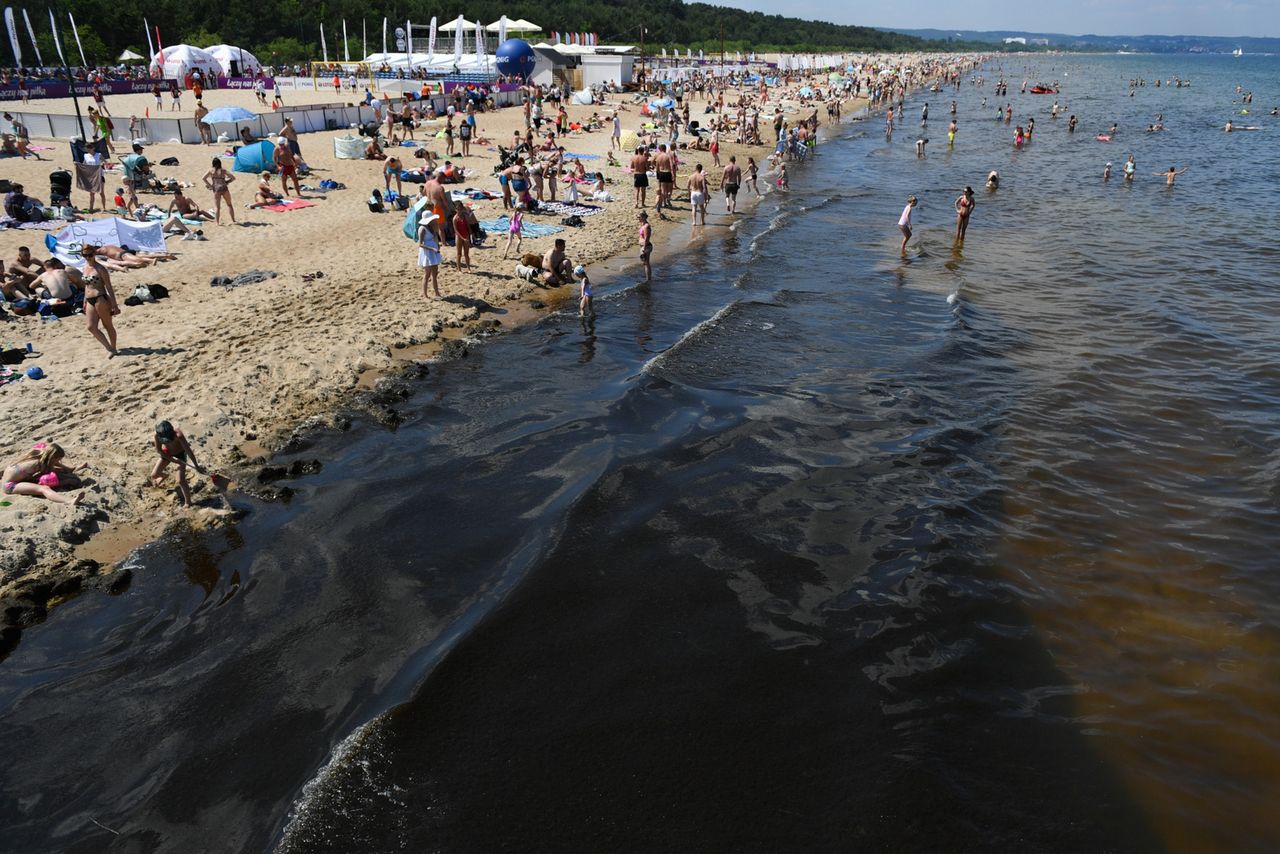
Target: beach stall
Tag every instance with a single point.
(234, 61)
(179, 60)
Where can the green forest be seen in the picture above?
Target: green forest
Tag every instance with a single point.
(289, 30)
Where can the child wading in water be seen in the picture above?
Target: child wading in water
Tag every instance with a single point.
(585, 308)
(173, 447)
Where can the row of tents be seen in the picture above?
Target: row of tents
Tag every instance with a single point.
(179, 60)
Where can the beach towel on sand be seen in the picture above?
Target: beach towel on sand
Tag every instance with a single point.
(290, 205)
(568, 210)
(529, 229)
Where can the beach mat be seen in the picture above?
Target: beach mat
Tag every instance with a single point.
(290, 205)
(528, 229)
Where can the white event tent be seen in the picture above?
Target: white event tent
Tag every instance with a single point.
(226, 54)
(181, 59)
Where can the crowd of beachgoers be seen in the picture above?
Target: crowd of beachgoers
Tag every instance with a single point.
(328, 272)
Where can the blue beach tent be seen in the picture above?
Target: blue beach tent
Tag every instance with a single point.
(258, 157)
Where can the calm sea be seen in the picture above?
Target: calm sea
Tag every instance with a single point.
(806, 547)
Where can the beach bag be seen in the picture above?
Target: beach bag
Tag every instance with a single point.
(142, 293)
(375, 202)
(573, 220)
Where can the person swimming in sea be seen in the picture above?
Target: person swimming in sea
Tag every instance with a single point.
(993, 180)
(1106, 171)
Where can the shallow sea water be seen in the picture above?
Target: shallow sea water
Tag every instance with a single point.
(804, 547)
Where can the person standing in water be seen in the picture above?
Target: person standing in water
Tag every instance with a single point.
(904, 221)
(1130, 168)
(645, 237)
(1170, 175)
(1106, 171)
(951, 134)
(964, 207)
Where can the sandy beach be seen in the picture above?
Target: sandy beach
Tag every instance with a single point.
(240, 369)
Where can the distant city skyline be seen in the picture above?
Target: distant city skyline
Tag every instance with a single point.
(1225, 18)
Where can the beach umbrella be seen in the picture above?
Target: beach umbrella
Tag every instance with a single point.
(229, 114)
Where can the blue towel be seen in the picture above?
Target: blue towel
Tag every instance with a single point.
(582, 156)
(529, 229)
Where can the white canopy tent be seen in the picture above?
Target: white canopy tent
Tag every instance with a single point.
(467, 26)
(518, 26)
(179, 60)
(226, 54)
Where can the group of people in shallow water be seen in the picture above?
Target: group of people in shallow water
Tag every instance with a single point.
(965, 203)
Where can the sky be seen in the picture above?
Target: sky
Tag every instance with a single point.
(1101, 17)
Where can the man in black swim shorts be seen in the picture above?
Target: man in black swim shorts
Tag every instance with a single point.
(640, 175)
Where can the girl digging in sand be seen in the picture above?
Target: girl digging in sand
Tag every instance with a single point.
(40, 473)
(173, 447)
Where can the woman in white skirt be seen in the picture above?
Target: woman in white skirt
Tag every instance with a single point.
(429, 253)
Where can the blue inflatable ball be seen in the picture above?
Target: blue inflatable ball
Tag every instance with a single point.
(35, 373)
(515, 58)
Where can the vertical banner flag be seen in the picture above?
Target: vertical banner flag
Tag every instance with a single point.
(502, 30)
(32, 33)
(431, 42)
(408, 43)
(13, 37)
(57, 42)
(324, 48)
(79, 46)
(384, 38)
(159, 48)
(346, 51)
(151, 48)
(479, 43)
(457, 39)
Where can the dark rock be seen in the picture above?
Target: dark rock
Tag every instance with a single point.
(537, 304)
(270, 474)
(453, 349)
(25, 614)
(298, 468)
(119, 582)
(68, 586)
(9, 637)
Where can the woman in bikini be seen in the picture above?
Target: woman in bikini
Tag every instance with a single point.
(39, 474)
(753, 172)
(100, 303)
(217, 179)
(265, 197)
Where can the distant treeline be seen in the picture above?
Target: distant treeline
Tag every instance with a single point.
(289, 30)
